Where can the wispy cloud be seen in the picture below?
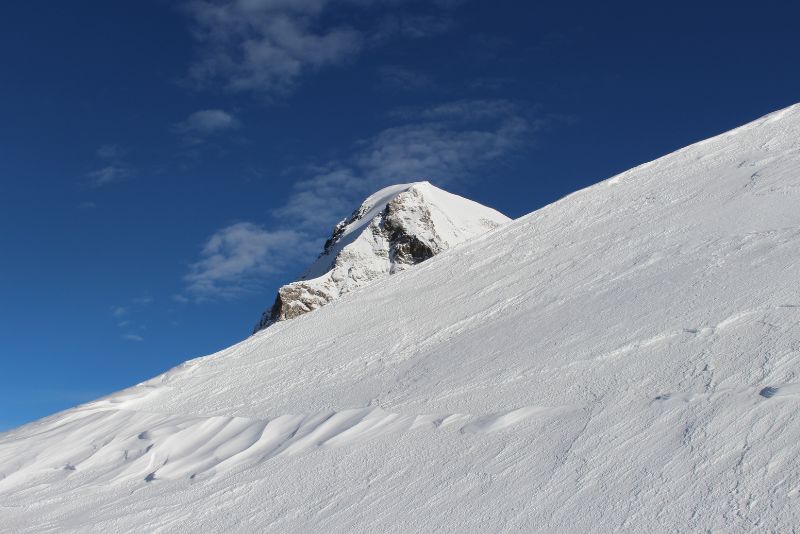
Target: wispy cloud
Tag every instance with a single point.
(200, 125)
(133, 337)
(119, 311)
(265, 46)
(112, 167)
(235, 258)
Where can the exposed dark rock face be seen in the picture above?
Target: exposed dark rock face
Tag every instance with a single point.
(410, 250)
(406, 248)
(292, 301)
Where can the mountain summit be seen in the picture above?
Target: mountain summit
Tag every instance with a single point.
(393, 229)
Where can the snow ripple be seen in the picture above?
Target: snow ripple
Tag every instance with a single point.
(152, 447)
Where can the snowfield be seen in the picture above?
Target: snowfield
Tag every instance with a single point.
(627, 358)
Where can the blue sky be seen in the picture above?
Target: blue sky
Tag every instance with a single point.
(165, 166)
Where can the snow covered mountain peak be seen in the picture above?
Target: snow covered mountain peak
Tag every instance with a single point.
(397, 227)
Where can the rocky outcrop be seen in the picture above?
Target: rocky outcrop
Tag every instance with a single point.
(396, 228)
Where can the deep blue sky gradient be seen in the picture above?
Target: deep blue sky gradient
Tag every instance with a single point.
(601, 86)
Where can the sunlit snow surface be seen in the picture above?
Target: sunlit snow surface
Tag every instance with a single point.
(627, 358)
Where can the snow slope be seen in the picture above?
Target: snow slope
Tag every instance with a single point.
(393, 229)
(627, 358)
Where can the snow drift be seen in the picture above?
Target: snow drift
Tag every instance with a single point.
(627, 358)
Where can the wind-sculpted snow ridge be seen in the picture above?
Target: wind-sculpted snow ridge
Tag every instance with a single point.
(393, 229)
(142, 446)
(629, 357)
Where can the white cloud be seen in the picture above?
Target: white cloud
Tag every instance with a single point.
(233, 259)
(201, 124)
(133, 337)
(265, 46)
(119, 311)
